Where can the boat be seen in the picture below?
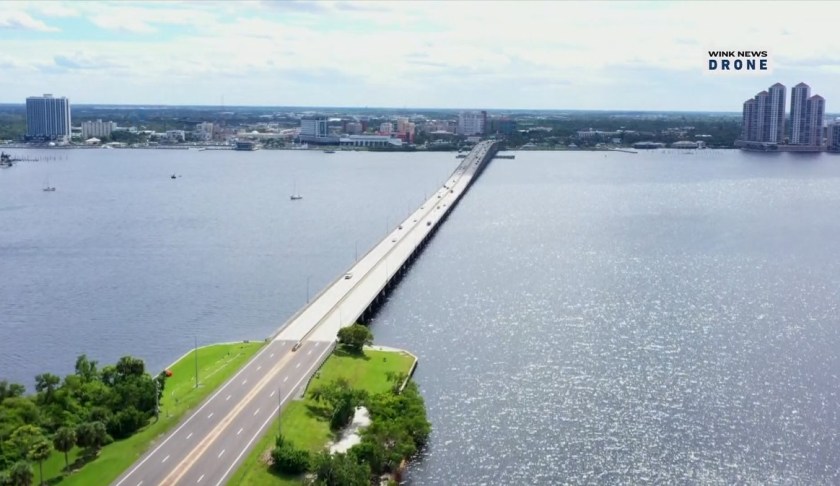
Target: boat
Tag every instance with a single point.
(295, 196)
(5, 160)
(172, 176)
(329, 151)
(48, 187)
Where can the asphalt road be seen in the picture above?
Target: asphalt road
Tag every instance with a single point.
(208, 446)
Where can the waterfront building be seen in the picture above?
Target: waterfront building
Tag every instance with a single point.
(313, 128)
(370, 141)
(97, 128)
(798, 113)
(204, 131)
(763, 118)
(48, 118)
(386, 128)
(815, 110)
(472, 122)
(833, 136)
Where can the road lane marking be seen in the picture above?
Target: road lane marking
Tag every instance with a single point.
(269, 419)
(188, 437)
(210, 416)
(220, 454)
(272, 355)
(179, 470)
(194, 415)
(245, 381)
(297, 365)
(164, 459)
(256, 412)
(272, 393)
(284, 379)
(200, 478)
(310, 352)
(240, 430)
(259, 367)
(228, 398)
(140, 483)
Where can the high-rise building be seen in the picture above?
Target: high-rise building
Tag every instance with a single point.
(833, 136)
(472, 122)
(47, 118)
(815, 109)
(97, 128)
(798, 113)
(386, 128)
(764, 116)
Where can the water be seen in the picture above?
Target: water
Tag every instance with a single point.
(121, 259)
(580, 318)
(654, 318)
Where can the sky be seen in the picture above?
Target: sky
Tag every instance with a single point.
(490, 55)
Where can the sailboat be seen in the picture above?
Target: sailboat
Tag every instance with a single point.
(295, 196)
(48, 187)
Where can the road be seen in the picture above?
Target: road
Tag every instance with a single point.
(208, 446)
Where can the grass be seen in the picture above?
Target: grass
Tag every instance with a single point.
(308, 430)
(216, 364)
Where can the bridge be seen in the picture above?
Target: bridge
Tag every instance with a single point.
(209, 444)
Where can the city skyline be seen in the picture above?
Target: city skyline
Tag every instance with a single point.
(453, 56)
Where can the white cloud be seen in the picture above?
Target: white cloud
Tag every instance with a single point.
(15, 19)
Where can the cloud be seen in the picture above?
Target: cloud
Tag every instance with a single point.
(12, 19)
(122, 23)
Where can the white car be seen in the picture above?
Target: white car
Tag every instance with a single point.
(348, 275)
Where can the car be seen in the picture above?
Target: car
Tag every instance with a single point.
(348, 275)
(452, 191)
(393, 240)
(428, 223)
(400, 227)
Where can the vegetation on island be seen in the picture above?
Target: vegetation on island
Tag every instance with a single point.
(89, 426)
(351, 377)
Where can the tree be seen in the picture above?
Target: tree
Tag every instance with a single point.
(45, 385)
(10, 390)
(355, 337)
(23, 438)
(64, 440)
(340, 470)
(91, 436)
(21, 474)
(86, 369)
(287, 459)
(40, 452)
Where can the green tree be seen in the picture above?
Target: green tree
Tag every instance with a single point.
(340, 470)
(21, 474)
(45, 385)
(86, 369)
(23, 438)
(355, 337)
(287, 459)
(40, 452)
(91, 436)
(64, 440)
(10, 390)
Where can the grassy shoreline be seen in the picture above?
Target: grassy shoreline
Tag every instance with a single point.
(308, 431)
(216, 363)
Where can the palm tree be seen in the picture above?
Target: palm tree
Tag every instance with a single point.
(64, 440)
(21, 474)
(39, 453)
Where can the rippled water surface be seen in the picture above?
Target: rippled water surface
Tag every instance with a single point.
(651, 318)
(121, 259)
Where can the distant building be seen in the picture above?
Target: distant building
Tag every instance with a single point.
(763, 118)
(353, 128)
(687, 144)
(204, 131)
(48, 118)
(815, 110)
(175, 136)
(502, 126)
(386, 128)
(313, 129)
(97, 128)
(370, 141)
(472, 122)
(833, 136)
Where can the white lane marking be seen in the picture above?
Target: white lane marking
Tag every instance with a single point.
(310, 352)
(220, 454)
(245, 381)
(140, 483)
(267, 420)
(210, 416)
(272, 355)
(188, 437)
(284, 379)
(297, 365)
(194, 415)
(272, 393)
(259, 367)
(240, 431)
(200, 478)
(227, 398)
(317, 343)
(164, 459)
(256, 412)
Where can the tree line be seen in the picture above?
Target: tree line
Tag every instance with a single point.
(87, 409)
